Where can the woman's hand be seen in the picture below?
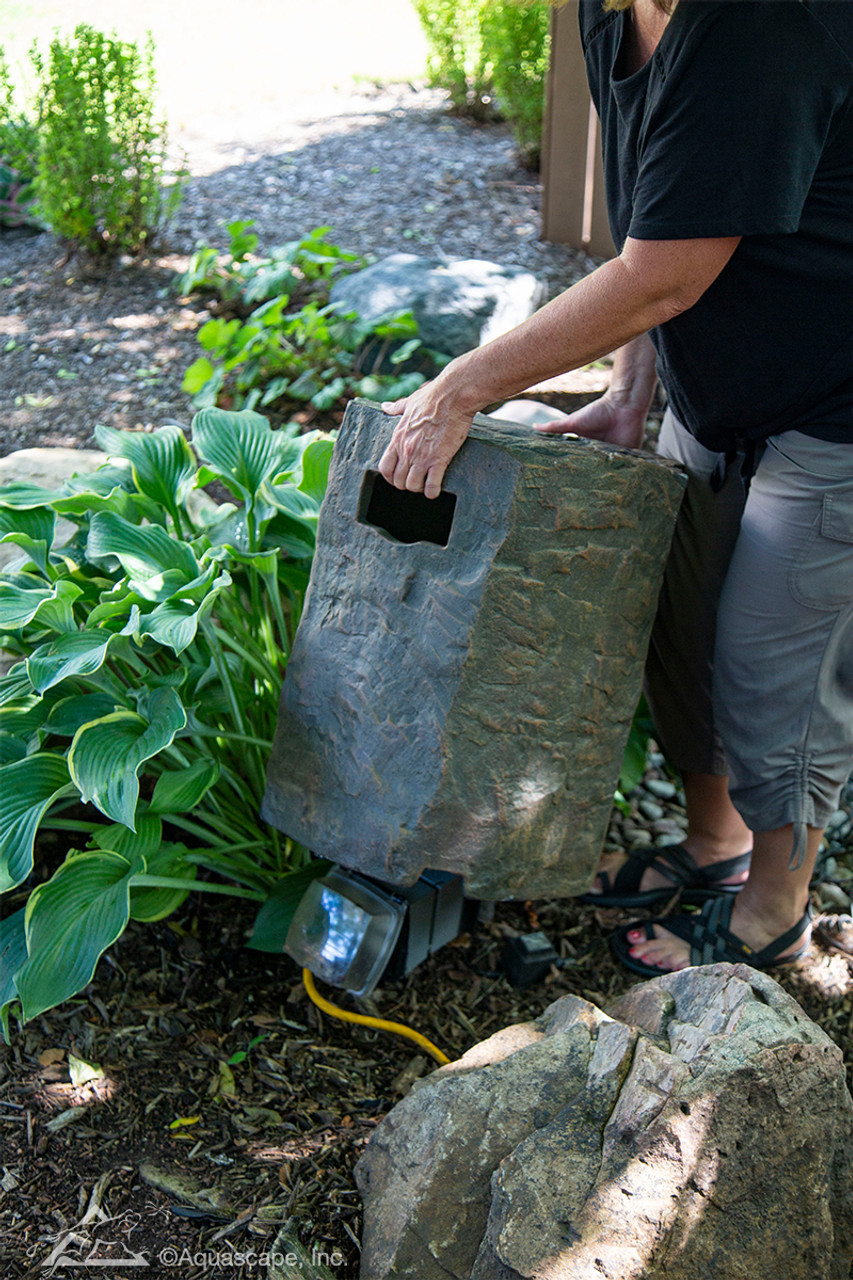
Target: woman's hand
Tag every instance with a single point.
(603, 419)
(432, 429)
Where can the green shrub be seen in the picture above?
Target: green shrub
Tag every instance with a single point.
(516, 45)
(455, 57)
(266, 351)
(102, 155)
(485, 49)
(139, 715)
(18, 158)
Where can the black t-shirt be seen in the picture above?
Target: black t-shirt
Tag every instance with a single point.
(741, 124)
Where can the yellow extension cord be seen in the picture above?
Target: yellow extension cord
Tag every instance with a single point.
(397, 1028)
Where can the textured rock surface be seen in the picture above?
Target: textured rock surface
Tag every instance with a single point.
(458, 305)
(703, 1129)
(465, 707)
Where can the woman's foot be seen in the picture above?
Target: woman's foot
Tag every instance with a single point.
(756, 928)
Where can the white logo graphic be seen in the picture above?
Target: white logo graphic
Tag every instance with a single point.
(71, 1247)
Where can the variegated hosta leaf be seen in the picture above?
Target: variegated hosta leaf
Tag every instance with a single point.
(141, 843)
(13, 953)
(31, 529)
(175, 623)
(27, 790)
(241, 449)
(163, 464)
(311, 476)
(157, 565)
(78, 654)
(70, 922)
(23, 595)
(105, 756)
(22, 497)
(154, 904)
(69, 714)
(179, 792)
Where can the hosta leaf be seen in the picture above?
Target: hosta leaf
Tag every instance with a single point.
(21, 595)
(105, 756)
(240, 448)
(273, 920)
(27, 790)
(31, 529)
(22, 496)
(141, 843)
(11, 749)
(78, 654)
(157, 564)
(175, 622)
(13, 953)
(313, 477)
(70, 713)
(163, 463)
(153, 904)
(70, 922)
(181, 792)
(15, 685)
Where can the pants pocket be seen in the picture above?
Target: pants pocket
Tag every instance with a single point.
(822, 575)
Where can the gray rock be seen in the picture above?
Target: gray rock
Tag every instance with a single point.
(660, 787)
(703, 1128)
(650, 810)
(464, 707)
(457, 305)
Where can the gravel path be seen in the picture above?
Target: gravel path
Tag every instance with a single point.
(387, 168)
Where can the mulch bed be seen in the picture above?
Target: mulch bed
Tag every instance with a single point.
(203, 1167)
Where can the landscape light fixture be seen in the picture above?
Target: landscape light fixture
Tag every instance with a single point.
(350, 930)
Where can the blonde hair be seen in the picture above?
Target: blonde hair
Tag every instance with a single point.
(666, 5)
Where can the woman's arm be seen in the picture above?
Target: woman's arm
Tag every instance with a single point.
(650, 282)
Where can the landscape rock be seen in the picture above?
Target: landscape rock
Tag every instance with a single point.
(457, 305)
(463, 679)
(701, 1128)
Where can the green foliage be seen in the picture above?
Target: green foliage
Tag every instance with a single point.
(139, 716)
(268, 351)
(18, 157)
(102, 154)
(456, 60)
(485, 49)
(516, 45)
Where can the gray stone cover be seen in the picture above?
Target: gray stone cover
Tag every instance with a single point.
(465, 707)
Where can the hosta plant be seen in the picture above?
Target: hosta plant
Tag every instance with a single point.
(148, 642)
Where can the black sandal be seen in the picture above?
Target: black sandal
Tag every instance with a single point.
(711, 940)
(697, 884)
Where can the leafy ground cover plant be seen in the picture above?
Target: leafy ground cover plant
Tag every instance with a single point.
(139, 712)
(280, 343)
(104, 180)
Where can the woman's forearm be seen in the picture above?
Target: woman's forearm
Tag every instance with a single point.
(634, 377)
(606, 310)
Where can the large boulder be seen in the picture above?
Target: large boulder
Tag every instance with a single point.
(702, 1128)
(457, 305)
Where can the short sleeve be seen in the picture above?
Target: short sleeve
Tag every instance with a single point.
(745, 101)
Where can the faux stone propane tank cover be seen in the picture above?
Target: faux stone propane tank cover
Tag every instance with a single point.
(466, 669)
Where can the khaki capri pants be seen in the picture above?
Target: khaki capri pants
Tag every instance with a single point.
(750, 668)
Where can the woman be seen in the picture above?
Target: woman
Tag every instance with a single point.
(727, 128)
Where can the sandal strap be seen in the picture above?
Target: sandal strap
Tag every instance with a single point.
(670, 860)
(711, 941)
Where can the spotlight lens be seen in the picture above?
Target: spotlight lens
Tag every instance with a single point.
(344, 931)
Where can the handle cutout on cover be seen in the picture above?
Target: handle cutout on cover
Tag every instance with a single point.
(403, 516)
